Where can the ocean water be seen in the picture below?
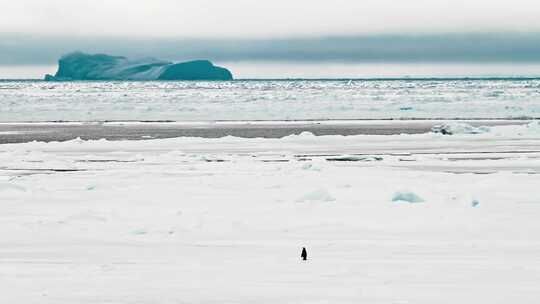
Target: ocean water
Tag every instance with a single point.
(269, 100)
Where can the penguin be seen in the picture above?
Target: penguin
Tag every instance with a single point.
(304, 254)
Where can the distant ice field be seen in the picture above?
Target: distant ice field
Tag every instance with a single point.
(38, 101)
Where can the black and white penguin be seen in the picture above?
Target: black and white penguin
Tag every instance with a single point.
(304, 254)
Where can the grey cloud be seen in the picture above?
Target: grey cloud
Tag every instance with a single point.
(488, 47)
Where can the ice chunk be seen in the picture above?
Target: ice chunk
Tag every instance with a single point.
(533, 127)
(312, 166)
(458, 128)
(139, 231)
(409, 197)
(306, 134)
(303, 135)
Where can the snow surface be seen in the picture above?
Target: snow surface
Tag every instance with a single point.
(267, 100)
(193, 220)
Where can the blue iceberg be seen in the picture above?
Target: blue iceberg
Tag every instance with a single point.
(81, 66)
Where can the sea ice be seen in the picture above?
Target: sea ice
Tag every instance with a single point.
(11, 187)
(240, 224)
(265, 100)
(319, 195)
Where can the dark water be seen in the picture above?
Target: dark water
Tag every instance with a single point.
(26, 132)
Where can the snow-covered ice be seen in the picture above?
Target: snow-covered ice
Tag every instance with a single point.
(194, 220)
(319, 195)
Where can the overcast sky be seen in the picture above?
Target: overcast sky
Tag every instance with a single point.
(264, 19)
(38, 32)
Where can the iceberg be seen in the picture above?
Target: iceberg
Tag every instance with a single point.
(81, 66)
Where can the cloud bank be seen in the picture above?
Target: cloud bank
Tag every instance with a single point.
(463, 48)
